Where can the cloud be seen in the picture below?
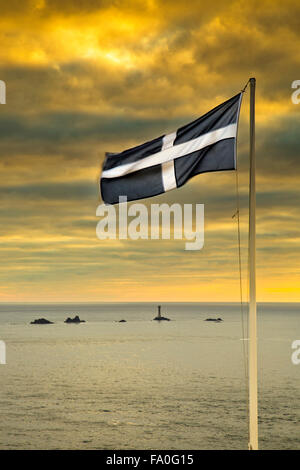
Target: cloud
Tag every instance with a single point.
(85, 77)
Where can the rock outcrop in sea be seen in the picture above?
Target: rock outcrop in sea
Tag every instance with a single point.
(76, 319)
(214, 319)
(41, 321)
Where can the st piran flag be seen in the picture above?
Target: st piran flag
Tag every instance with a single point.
(167, 162)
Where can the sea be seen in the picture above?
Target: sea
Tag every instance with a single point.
(144, 384)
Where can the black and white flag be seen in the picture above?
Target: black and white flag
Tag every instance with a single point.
(204, 145)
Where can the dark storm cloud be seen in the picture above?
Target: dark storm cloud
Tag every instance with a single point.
(54, 191)
(53, 7)
(55, 133)
(77, 126)
(278, 147)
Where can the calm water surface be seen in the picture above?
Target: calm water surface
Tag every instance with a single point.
(144, 385)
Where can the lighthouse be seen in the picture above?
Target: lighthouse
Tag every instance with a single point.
(159, 313)
(159, 316)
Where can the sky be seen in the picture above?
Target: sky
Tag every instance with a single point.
(85, 77)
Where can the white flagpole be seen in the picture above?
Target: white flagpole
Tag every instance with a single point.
(253, 425)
